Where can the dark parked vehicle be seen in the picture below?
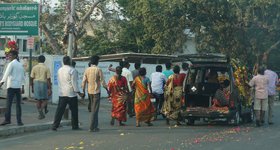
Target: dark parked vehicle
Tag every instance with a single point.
(201, 84)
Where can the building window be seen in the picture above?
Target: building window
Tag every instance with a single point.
(24, 45)
(19, 44)
(2, 43)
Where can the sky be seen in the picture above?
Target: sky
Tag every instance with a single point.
(52, 2)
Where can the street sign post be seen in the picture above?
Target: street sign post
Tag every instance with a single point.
(30, 43)
(19, 19)
(30, 46)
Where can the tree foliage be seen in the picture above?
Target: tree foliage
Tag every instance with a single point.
(56, 26)
(154, 26)
(244, 29)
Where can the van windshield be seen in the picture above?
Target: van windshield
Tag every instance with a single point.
(207, 75)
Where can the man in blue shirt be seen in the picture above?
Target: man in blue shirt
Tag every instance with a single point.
(168, 70)
(273, 81)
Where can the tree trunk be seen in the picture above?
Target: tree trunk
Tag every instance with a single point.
(263, 58)
(51, 40)
(81, 25)
(266, 53)
(86, 16)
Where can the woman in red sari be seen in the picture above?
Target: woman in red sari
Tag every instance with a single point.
(118, 90)
(143, 106)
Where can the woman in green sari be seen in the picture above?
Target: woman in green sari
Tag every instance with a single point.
(173, 95)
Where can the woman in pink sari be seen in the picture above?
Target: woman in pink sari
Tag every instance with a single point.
(118, 90)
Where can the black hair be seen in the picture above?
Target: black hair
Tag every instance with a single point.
(168, 65)
(261, 70)
(125, 63)
(73, 64)
(226, 82)
(213, 73)
(158, 68)
(14, 53)
(121, 63)
(176, 69)
(41, 59)
(89, 64)
(94, 59)
(119, 70)
(142, 71)
(185, 66)
(269, 66)
(66, 60)
(137, 65)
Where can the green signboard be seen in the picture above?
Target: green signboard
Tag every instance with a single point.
(19, 19)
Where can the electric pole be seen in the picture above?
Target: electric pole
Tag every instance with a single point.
(71, 30)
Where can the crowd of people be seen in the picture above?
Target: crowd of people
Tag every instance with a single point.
(130, 92)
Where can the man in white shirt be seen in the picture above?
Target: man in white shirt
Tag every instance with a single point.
(128, 75)
(68, 90)
(260, 84)
(14, 76)
(158, 80)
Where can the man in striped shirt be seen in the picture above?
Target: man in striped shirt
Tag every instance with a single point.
(93, 77)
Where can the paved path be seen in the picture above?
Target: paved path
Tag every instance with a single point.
(32, 124)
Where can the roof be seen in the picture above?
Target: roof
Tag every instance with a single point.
(136, 57)
(205, 58)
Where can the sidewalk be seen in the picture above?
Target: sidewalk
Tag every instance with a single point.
(32, 123)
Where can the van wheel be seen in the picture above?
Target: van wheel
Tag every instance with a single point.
(251, 115)
(237, 118)
(190, 122)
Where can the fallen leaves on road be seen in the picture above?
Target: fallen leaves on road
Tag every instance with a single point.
(219, 136)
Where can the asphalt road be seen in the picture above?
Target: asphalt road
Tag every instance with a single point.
(202, 136)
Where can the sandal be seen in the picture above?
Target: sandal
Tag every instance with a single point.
(149, 123)
(178, 123)
(137, 124)
(121, 124)
(112, 122)
(167, 122)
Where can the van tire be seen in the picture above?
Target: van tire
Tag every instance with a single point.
(237, 118)
(190, 122)
(251, 116)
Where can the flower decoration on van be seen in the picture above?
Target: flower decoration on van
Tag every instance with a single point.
(241, 81)
(10, 46)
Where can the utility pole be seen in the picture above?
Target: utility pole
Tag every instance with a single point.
(70, 43)
(40, 32)
(71, 31)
